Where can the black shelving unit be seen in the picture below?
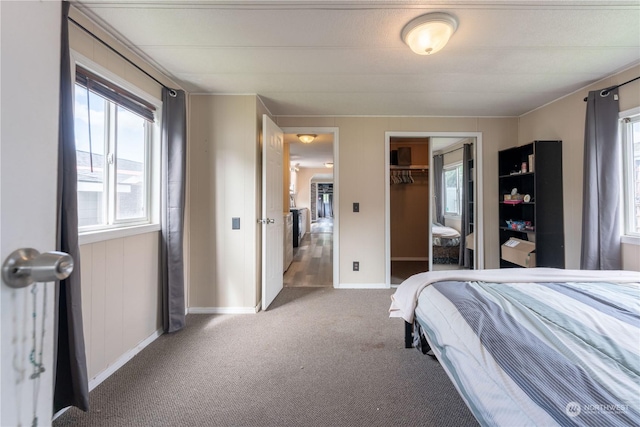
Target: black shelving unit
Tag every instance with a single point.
(543, 183)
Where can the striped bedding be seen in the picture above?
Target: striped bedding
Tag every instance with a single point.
(549, 352)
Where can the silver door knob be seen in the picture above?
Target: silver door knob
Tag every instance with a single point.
(26, 266)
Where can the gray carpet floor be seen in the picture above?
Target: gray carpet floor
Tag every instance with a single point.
(317, 357)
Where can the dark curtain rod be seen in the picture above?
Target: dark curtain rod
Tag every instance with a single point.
(172, 92)
(605, 92)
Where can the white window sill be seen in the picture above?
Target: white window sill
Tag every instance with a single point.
(631, 240)
(115, 233)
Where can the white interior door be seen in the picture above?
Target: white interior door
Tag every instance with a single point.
(272, 215)
(28, 150)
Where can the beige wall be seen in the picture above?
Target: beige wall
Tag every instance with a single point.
(564, 120)
(120, 284)
(362, 170)
(286, 176)
(225, 183)
(303, 187)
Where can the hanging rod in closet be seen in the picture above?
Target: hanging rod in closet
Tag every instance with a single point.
(172, 92)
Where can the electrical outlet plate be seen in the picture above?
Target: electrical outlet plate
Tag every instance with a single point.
(356, 266)
(356, 207)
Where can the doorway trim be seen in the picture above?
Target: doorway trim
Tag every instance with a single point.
(478, 197)
(336, 189)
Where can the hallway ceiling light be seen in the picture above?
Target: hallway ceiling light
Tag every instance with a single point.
(328, 165)
(306, 138)
(429, 33)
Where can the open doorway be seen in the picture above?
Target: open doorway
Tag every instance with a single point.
(433, 201)
(312, 189)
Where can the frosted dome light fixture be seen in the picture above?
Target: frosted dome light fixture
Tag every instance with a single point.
(307, 138)
(427, 34)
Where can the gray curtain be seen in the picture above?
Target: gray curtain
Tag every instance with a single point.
(438, 162)
(463, 259)
(173, 194)
(601, 189)
(71, 386)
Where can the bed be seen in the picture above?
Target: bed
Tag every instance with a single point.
(446, 244)
(536, 346)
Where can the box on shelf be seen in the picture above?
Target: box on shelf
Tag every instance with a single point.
(404, 156)
(519, 252)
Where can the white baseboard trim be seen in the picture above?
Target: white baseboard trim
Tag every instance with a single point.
(405, 258)
(111, 369)
(362, 286)
(224, 310)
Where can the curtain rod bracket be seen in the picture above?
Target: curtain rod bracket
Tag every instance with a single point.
(605, 92)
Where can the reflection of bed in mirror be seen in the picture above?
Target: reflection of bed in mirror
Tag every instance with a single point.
(446, 244)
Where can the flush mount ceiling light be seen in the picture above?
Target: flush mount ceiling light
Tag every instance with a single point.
(429, 33)
(306, 138)
(328, 165)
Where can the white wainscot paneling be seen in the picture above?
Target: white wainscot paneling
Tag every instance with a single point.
(120, 299)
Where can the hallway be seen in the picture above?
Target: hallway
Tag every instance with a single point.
(312, 264)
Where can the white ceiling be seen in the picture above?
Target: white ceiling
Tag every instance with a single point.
(347, 58)
(313, 155)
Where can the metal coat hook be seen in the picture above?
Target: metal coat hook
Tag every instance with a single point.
(26, 266)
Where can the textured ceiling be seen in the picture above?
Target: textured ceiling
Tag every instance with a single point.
(347, 58)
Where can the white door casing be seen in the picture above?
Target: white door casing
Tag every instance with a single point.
(272, 215)
(28, 170)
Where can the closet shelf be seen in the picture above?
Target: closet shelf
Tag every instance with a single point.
(410, 167)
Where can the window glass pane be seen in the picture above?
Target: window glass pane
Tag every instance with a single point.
(635, 184)
(451, 196)
(130, 166)
(90, 158)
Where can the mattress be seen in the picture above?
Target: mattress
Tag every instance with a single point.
(444, 236)
(534, 346)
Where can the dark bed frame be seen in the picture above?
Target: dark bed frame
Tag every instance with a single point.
(408, 339)
(408, 335)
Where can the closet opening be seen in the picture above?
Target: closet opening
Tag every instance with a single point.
(409, 201)
(433, 196)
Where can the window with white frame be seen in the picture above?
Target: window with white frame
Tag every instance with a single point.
(630, 132)
(453, 190)
(113, 131)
